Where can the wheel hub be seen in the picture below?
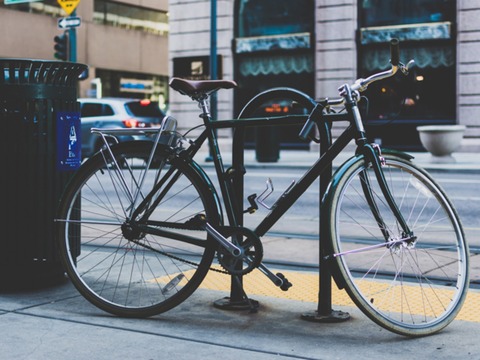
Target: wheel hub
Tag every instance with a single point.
(131, 232)
(405, 242)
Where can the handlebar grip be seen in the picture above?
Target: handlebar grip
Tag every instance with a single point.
(394, 52)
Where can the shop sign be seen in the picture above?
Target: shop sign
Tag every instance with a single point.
(136, 86)
(195, 67)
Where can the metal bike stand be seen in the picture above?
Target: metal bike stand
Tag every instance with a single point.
(237, 299)
(324, 312)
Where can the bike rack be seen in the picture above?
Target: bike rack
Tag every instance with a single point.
(237, 300)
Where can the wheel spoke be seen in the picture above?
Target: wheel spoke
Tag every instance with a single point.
(410, 285)
(132, 268)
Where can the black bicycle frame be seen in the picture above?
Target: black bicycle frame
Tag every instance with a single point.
(322, 164)
(282, 205)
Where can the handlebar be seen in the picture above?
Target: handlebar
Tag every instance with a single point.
(394, 52)
(361, 85)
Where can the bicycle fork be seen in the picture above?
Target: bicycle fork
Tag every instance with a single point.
(372, 155)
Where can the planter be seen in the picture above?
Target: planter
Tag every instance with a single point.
(441, 140)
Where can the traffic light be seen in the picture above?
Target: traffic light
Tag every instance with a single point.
(61, 46)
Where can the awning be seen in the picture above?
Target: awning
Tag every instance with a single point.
(277, 64)
(428, 56)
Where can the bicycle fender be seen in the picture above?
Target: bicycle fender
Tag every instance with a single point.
(398, 153)
(349, 162)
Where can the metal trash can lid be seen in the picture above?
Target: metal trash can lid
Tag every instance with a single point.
(31, 71)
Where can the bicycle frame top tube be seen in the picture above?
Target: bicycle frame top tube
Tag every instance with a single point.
(289, 198)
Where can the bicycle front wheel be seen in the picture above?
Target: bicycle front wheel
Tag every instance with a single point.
(412, 288)
(113, 262)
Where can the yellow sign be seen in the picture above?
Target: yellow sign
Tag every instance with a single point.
(68, 5)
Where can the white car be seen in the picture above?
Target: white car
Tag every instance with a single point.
(114, 113)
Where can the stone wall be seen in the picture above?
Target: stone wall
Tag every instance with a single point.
(468, 71)
(190, 36)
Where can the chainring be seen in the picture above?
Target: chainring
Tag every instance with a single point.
(252, 252)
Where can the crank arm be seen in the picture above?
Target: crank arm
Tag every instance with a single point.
(278, 279)
(230, 247)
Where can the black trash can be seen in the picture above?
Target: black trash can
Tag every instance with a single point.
(267, 144)
(39, 115)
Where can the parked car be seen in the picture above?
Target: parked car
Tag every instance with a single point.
(114, 113)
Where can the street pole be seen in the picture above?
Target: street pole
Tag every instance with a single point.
(213, 40)
(213, 64)
(72, 37)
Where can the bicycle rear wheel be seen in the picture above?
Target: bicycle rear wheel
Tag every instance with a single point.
(116, 265)
(414, 288)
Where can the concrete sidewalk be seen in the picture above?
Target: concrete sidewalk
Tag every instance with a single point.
(55, 322)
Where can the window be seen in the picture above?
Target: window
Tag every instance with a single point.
(274, 17)
(400, 12)
(94, 109)
(144, 108)
(130, 17)
(274, 47)
(47, 7)
(106, 12)
(425, 30)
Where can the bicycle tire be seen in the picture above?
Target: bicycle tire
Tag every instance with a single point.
(412, 290)
(134, 274)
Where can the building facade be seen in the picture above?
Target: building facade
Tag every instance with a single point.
(124, 43)
(317, 45)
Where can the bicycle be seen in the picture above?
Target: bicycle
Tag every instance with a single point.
(140, 223)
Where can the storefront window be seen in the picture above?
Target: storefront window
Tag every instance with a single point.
(425, 30)
(274, 47)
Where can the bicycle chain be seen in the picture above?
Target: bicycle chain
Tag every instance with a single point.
(176, 257)
(251, 243)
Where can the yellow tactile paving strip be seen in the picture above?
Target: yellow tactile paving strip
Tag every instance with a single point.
(305, 288)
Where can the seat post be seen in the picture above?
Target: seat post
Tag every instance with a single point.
(204, 105)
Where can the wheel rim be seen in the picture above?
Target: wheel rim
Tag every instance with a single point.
(409, 287)
(121, 269)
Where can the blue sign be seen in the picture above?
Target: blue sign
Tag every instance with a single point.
(69, 146)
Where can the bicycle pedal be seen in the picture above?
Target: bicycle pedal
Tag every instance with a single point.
(285, 285)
